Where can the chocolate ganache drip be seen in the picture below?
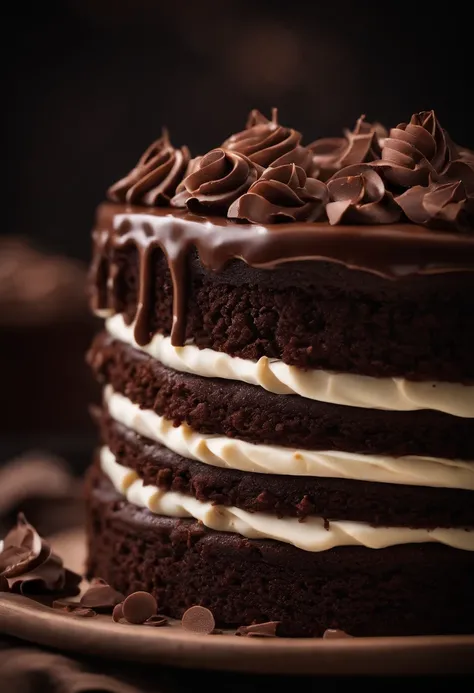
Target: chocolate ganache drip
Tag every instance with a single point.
(281, 194)
(267, 143)
(153, 181)
(358, 196)
(362, 144)
(219, 178)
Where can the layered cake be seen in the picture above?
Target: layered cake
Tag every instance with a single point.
(288, 380)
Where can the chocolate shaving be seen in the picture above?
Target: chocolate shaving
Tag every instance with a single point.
(29, 565)
(198, 619)
(98, 581)
(65, 604)
(83, 612)
(4, 584)
(157, 621)
(335, 634)
(259, 630)
(138, 607)
(74, 608)
(101, 596)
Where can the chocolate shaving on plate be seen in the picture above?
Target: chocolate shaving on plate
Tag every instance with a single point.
(335, 634)
(260, 630)
(101, 597)
(198, 619)
(65, 604)
(157, 621)
(83, 612)
(138, 607)
(29, 565)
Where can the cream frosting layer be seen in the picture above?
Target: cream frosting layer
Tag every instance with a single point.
(310, 535)
(391, 394)
(220, 451)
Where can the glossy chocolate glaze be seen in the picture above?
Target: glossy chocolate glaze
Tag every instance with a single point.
(390, 251)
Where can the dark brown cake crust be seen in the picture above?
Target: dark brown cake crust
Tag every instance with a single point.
(238, 410)
(316, 315)
(338, 499)
(403, 590)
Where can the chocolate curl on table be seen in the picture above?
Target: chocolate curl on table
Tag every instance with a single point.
(29, 565)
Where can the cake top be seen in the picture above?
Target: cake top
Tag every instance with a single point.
(265, 175)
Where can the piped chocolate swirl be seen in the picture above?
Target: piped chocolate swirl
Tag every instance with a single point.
(153, 181)
(267, 143)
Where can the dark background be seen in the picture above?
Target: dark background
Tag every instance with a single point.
(90, 82)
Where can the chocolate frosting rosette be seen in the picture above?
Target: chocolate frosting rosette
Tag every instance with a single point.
(267, 143)
(358, 195)
(153, 181)
(445, 206)
(281, 194)
(362, 144)
(415, 152)
(218, 178)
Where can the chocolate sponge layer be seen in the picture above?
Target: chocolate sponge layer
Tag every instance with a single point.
(401, 590)
(337, 499)
(238, 410)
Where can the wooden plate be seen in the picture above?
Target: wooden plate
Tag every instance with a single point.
(171, 645)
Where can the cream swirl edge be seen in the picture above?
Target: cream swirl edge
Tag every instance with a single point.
(310, 535)
(232, 453)
(345, 389)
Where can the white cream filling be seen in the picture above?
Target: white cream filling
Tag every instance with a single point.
(309, 535)
(220, 451)
(391, 394)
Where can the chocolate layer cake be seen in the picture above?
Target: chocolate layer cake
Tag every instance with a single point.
(288, 383)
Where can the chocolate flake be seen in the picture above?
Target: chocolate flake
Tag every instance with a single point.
(198, 619)
(157, 621)
(4, 584)
(83, 612)
(335, 634)
(259, 630)
(29, 565)
(65, 604)
(102, 597)
(98, 581)
(138, 607)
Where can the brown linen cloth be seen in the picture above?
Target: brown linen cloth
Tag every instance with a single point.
(28, 669)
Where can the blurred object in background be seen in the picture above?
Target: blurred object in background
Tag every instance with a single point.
(44, 488)
(45, 329)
